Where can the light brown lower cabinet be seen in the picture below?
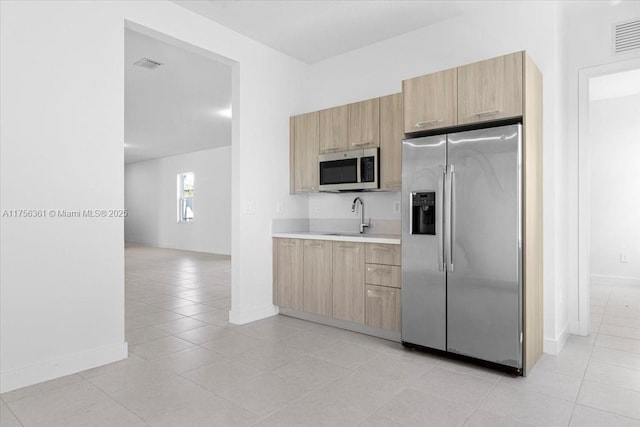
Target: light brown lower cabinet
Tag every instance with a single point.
(382, 307)
(317, 273)
(287, 273)
(348, 281)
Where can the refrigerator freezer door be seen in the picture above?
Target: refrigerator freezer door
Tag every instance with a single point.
(423, 276)
(483, 281)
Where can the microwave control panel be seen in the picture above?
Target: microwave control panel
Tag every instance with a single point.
(368, 169)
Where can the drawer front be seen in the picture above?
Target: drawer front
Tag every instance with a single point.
(384, 275)
(377, 253)
(382, 307)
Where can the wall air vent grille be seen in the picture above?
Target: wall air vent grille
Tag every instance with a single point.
(147, 63)
(626, 36)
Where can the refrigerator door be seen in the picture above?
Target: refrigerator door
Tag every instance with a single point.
(423, 275)
(483, 279)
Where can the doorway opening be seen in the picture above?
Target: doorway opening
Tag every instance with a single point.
(609, 201)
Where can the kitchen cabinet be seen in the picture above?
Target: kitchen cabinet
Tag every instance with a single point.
(317, 277)
(364, 124)
(391, 136)
(382, 307)
(378, 253)
(430, 101)
(348, 281)
(303, 156)
(334, 129)
(491, 89)
(287, 273)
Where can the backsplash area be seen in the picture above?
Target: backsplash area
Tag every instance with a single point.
(377, 205)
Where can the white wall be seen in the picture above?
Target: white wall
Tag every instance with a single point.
(614, 138)
(587, 42)
(378, 205)
(151, 202)
(62, 284)
(489, 29)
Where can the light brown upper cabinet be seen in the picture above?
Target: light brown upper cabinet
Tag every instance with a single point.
(348, 281)
(303, 156)
(491, 89)
(364, 124)
(334, 129)
(287, 273)
(430, 101)
(391, 135)
(317, 282)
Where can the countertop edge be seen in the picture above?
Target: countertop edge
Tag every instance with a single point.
(361, 239)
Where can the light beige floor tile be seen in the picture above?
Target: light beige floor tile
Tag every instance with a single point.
(610, 398)
(550, 383)
(107, 415)
(130, 377)
(174, 327)
(222, 374)
(616, 357)
(205, 411)
(187, 360)
(270, 356)
(234, 344)
(133, 359)
(54, 406)
(156, 318)
(346, 354)
(172, 303)
(613, 375)
(144, 334)
(457, 387)
(310, 372)
(584, 416)
(43, 387)
(620, 331)
(482, 418)
(621, 321)
(7, 419)
(415, 408)
(469, 368)
(618, 343)
(160, 348)
(395, 368)
(216, 317)
(527, 406)
(308, 342)
(190, 310)
(263, 394)
(267, 330)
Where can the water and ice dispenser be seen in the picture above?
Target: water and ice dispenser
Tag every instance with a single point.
(423, 212)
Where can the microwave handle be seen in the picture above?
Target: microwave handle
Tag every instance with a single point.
(359, 169)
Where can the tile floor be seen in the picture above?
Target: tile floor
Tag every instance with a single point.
(189, 367)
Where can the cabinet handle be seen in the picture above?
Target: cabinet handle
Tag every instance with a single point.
(313, 245)
(382, 248)
(375, 270)
(288, 243)
(326, 150)
(306, 188)
(374, 294)
(486, 113)
(360, 144)
(347, 247)
(428, 122)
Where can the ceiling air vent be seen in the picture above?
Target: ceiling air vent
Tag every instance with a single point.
(148, 64)
(626, 36)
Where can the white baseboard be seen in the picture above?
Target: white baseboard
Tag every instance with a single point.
(65, 365)
(555, 346)
(597, 279)
(240, 318)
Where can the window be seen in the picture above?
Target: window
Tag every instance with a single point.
(185, 197)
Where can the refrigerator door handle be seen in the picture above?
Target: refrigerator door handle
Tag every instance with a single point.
(442, 264)
(452, 228)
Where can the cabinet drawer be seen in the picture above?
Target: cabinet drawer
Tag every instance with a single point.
(384, 275)
(382, 307)
(378, 253)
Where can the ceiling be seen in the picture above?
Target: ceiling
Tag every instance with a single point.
(315, 30)
(175, 108)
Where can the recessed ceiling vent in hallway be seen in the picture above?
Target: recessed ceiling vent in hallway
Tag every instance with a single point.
(148, 64)
(626, 36)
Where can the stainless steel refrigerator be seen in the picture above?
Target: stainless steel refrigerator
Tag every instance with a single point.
(461, 244)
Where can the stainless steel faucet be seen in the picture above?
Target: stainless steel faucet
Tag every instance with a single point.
(363, 224)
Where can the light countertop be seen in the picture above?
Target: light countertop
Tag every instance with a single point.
(391, 239)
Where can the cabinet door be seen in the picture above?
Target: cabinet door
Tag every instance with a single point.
(305, 141)
(378, 253)
(391, 135)
(288, 261)
(334, 129)
(383, 308)
(348, 281)
(430, 101)
(364, 124)
(491, 89)
(317, 277)
(383, 275)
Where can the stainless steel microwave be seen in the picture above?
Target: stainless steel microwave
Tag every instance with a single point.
(349, 170)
